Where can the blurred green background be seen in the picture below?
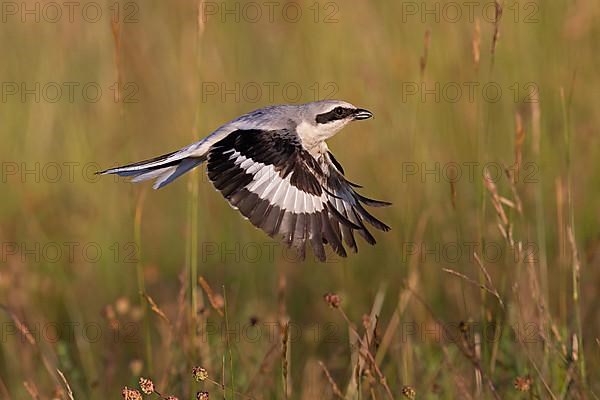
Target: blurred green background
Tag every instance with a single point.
(91, 85)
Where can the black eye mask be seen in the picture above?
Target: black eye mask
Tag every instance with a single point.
(334, 115)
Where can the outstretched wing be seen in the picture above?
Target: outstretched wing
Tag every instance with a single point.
(348, 203)
(282, 189)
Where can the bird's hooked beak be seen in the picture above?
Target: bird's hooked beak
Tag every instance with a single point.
(361, 113)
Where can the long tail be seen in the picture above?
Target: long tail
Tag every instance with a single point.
(165, 169)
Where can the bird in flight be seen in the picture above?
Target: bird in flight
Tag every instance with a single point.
(273, 165)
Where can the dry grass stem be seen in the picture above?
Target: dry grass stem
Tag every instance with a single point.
(200, 18)
(475, 283)
(496, 200)
(116, 34)
(156, 309)
(476, 43)
(284, 359)
(423, 59)
(67, 386)
(367, 354)
(406, 293)
(334, 386)
(32, 390)
(26, 332)
(467, 353)
(497, 18)
(453, 193)
(215, 301)
(519, 140)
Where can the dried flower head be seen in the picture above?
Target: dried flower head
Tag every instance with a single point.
(199, 373)
(122, 305)
(332, 299)
(523, 383)
(111, 317)
(109, 312)
(366, 321)
(368, 375)
(131, 394)
(146, 385)
(409, 392)
(202, 396)
(136, 366)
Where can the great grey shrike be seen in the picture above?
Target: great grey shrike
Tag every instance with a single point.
(274, 166)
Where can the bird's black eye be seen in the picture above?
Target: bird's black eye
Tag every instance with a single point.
(339, 111)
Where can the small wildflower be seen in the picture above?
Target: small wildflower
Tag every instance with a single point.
(202, 396)
(131, 394)
(146, 385)
(523, 383)
(199, 373)
(409, 392)
(332, 299)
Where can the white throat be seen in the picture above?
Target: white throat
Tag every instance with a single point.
(314, 136)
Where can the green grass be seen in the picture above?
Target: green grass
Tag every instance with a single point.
(109, 335)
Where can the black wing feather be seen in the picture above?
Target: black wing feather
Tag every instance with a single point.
(325, 208)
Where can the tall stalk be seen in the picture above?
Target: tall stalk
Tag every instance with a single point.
(575, 265)
(137, 235)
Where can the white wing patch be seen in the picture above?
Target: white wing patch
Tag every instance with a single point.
(268, 185)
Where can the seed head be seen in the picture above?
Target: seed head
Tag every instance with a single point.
(409, 392)
(523, 383)
(202, 396)
(332, 299)
(131, 394)
(146, 385)
(199, 374)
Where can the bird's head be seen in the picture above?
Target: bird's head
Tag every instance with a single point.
(323, 119)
